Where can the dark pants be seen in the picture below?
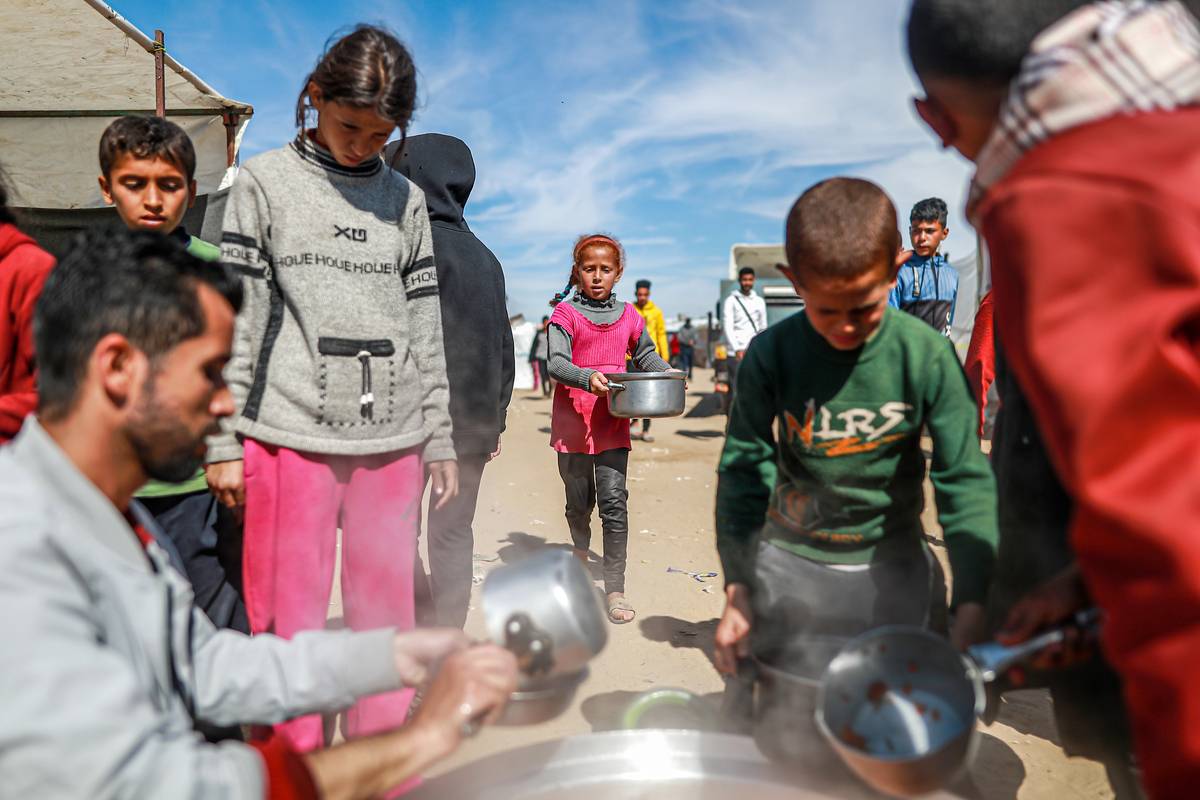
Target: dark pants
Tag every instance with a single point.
(208, 539)
(445, 597)
(732, 363)
(599, 479)
(686, 355)
(543, 368)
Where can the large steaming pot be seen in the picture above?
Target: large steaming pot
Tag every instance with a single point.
(641, 765)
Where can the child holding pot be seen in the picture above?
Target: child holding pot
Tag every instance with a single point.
(591, 333)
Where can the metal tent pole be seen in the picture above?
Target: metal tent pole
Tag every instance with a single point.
(160, 83)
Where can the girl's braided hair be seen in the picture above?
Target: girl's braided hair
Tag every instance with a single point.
(585, 241)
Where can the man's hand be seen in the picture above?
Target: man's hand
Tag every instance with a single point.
(471, 687)
(598, 385)
(227, 482)
(418, 651)
(496, 453)
(444, 477)
(970, 626)
(733, 631)
(1050, 603)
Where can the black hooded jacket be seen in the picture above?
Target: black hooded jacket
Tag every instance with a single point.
(478, 337)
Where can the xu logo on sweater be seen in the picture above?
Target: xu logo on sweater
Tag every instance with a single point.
(354, 234)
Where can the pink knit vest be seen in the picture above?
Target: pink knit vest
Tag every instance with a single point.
(580, 422)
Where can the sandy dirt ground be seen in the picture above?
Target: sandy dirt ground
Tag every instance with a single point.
(671, 496)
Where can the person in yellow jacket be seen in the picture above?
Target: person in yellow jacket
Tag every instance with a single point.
(656, 329)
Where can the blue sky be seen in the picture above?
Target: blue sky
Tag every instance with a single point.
(682, 126)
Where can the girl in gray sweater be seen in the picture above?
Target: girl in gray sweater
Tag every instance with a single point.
(337, 366)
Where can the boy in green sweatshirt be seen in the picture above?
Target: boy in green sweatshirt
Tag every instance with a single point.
(819, 493)
(147, 172)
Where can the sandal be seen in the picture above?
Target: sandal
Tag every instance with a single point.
(618, 604)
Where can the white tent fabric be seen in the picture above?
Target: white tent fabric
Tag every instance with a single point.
(973, 282)
(523, 333)
(70, 67)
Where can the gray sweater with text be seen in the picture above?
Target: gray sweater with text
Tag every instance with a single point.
(338, 346)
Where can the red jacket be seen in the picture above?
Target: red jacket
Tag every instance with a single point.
(1095, 244)
(23, 269)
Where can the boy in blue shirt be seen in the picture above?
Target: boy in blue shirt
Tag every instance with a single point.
(927, 286)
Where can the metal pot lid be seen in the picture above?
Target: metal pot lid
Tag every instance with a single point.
(641, 765)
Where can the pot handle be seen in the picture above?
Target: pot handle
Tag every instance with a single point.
(613, 386)
(994, 659)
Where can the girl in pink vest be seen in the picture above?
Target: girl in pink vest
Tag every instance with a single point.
(591, 333)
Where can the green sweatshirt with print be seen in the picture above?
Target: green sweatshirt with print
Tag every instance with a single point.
(823, 453)
(204, 251)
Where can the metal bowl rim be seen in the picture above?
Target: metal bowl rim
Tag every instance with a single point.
(622, 377)
(836, 741)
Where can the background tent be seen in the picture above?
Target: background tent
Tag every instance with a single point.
(72, 66)
(523, 332)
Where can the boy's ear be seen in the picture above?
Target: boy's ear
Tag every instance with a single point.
(105, 190)
(191, 194)
(941, 123)
(790, 274)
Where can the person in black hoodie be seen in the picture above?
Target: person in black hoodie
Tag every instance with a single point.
(479, 354)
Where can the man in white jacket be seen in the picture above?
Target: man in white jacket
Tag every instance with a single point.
(743, 317)
(107, 664)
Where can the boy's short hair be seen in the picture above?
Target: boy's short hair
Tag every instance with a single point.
(840, 229)
(747, 271)
(642, 284)
(147, 137)
(931, 209)
(981, 41)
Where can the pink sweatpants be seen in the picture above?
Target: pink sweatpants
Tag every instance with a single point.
(294, 504)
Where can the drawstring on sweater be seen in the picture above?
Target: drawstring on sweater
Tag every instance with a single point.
(366, 401)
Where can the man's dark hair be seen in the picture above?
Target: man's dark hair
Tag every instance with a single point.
(931, 209)
(980, 41)
(840, 229)
(139, 284)
(642, 284)
(746, 271)
(147, 137)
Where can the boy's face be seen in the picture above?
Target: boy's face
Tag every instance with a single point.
(845, 313)
(643, 295)
(927, 236)
(150, 194)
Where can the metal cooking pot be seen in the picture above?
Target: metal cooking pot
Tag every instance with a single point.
(537, 701)
(547, 612)
(638, 765)
(641, 395)
(899, 703)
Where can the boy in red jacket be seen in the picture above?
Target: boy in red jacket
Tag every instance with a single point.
(23, 269)
(1083, 123)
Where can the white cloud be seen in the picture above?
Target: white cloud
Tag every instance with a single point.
(650, 121)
